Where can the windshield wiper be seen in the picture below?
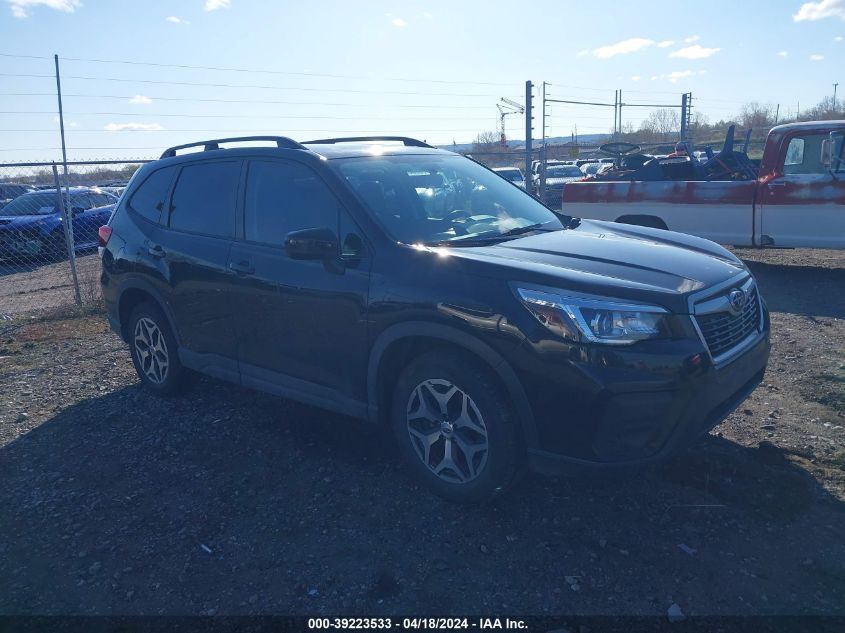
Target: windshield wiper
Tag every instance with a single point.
(492, 238)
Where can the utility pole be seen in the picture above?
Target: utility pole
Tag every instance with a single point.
(619, 127)
(543, 150)
(777, 113)
(835, 86)
(684, 117)
(529, 128)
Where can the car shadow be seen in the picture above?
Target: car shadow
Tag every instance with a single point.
(230, 501)
(802, 290)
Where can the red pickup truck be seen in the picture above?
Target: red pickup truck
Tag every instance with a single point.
(797, 199)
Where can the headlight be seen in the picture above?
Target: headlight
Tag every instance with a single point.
(593, 320)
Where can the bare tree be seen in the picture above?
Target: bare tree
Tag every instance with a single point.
(663, 124)
(757, 116)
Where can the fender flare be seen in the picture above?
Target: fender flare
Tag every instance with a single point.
(460, 338)
(145, 286)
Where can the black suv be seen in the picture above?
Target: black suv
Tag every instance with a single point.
(412, 287)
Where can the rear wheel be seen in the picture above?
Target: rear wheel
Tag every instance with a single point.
(154, 351)
(455, 430)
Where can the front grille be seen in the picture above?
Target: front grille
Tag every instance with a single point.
(723, 331)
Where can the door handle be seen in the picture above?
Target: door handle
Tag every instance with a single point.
(155, 250)
(776, 183)
(242, 267)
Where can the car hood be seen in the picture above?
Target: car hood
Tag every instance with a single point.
(14, 221)
(611, 260)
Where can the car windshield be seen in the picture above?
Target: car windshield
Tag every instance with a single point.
(437, 199)
(563, 171)
(39, 203)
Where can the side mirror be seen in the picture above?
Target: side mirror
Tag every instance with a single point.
(827, 152)
(311, 244)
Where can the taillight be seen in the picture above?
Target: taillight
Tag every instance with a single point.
(103, 235)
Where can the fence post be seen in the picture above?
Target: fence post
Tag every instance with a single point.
(529, 116)
(68, 226)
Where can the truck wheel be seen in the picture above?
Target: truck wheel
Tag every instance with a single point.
(456, 431)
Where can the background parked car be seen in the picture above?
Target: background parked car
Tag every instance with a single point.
(590, 169)
(514, 174)
(556, 178)
(11, 190)
(31, 225)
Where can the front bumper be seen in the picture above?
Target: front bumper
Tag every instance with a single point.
(630, 406)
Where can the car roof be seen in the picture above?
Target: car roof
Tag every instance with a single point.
(355, 150)
(810, 126)
(71, 190)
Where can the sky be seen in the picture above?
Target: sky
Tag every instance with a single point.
(140, 76)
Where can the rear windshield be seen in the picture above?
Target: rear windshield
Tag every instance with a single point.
(566, 171)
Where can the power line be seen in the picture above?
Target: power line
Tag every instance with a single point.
(262, 71)
(199, 84)
(269, 101)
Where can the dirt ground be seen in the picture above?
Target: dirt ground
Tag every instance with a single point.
(230, 502)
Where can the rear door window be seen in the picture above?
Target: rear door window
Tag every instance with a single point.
(204, 199)
(282, 197)
(149, 198)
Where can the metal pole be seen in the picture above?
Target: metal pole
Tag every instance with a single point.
(683, 117)
(620, 112)
(777, 114)
(835, 86)
(615, 111)
(68, 226)
(543, 151)
(529, 177)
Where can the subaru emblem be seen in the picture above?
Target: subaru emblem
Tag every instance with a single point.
(736, 299)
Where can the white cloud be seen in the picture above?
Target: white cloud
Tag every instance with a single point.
(665, 43)
(175, 20)
(816, 58)
(624, 47)
(691, 39)
(120, 127)
(427, 15)
(213, 5)
(811, 11)
(398, 22)
(583, 53)
(140, 99)
(783, 54)
(838, 38)
(636, 78)
(695, 51)
(19, 7)
(677, 75)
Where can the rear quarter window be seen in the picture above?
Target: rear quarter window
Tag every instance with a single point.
(149, 198)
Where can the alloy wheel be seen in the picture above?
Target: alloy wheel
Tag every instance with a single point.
(447, 431)
(151, 349)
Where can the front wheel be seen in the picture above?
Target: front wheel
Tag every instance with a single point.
(455, 429)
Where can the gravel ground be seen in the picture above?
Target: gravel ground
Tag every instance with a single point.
(26, 287)
(230, 502)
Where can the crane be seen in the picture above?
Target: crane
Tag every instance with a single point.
(505, 107)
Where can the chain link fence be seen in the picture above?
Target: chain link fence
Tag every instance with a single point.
(49, 221)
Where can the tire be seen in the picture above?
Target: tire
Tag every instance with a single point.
(447, 402)
(154, 351)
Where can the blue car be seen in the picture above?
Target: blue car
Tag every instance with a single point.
(31, 225)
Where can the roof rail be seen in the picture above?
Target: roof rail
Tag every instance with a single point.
(281, 141)
(408, 142)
